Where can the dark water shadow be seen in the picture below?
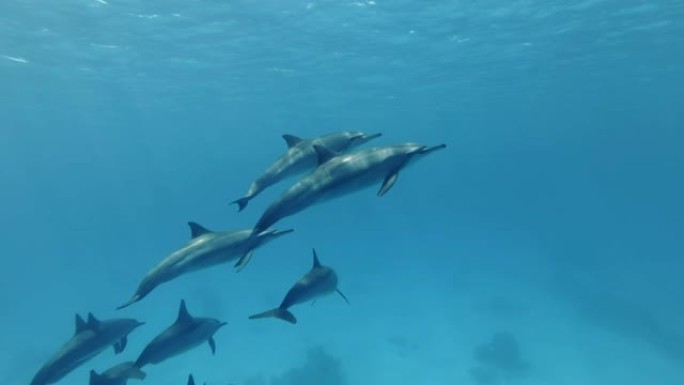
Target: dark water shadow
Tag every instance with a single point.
(319, 368)
(499, 360)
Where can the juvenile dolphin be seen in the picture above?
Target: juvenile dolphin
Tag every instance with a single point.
(205, 249)
(90, 338)
(300, 158)
(319, 281)
(117, 375)
(341, 174)
(186, 333)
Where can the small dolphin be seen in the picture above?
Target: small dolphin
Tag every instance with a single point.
(90, 339)
(186, 333)
(206, 248)
(300, 158)
(342, 174)
(117, 375)
(319, 281)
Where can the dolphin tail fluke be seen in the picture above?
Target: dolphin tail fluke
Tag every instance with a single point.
(279, 313)
(130, 302)
(241, 203)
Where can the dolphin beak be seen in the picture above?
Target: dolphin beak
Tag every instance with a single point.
(276, 233)
(371, 136)
(427, 150)
(222, 324)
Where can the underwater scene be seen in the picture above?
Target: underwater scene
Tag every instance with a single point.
(342, 192)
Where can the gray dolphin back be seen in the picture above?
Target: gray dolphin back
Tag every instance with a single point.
(300, 158)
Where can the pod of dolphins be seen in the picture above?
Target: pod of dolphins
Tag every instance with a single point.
(332, 168)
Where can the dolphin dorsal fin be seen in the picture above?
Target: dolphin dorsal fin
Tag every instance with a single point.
(196, 230)
(80, 324)
(316, 262)
(324, 154)
(292, 140)
(191, 380)
(93, 323)
(94, 377)
(183, 315)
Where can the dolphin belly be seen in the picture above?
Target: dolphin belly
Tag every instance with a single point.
(347, 185)
(302, 293)
(170, 347)
(60, 367)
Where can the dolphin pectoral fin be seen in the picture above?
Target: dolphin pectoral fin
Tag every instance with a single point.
(279, 313)
(343, 296)
(244, 260)
(241, 203)
(390, 180)
(120, 346)
(212, 345)
(191, 380)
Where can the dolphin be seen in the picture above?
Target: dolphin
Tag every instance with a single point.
(319, 281)
(186, 333)
(300, 158)
(206, 248)
(117, 375)
(90, 338)
(342, 174)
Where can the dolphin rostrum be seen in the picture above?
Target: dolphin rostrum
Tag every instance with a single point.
(341, 174)
(205, 249)
(300, 158)
(186, 333)
(319, 281)
(117, 375)
(90, 338)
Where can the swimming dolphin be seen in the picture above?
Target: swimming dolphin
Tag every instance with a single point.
(117, 375)
(341, 174)
(319, 281)
(90, 338)
(205, 249)
(300, 158)
(186, 333)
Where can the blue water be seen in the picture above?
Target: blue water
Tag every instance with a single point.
(553, 220)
